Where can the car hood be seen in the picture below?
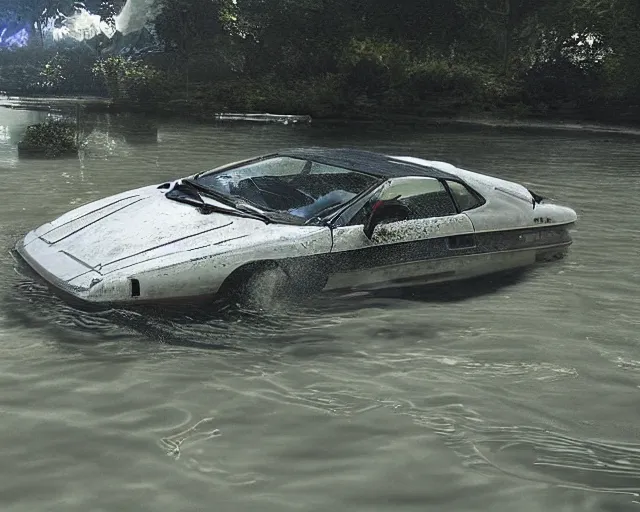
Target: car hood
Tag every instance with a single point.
(141, 224)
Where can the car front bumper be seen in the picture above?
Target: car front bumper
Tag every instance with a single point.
(60, 270)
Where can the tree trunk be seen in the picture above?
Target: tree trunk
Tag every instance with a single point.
(508, 33)
(507, 17)
(39, 29)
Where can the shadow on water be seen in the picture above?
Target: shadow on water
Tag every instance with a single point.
(456, 291)
(221, 324)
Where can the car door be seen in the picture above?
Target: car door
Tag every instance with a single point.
(421, 247)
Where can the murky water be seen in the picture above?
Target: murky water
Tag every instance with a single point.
(515, 395)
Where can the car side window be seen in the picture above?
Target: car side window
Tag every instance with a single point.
(362, 214)
(465, 198)
(423, 197)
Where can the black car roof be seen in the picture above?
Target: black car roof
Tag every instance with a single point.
(369, 162)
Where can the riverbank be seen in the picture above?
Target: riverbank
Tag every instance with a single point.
(569, 121)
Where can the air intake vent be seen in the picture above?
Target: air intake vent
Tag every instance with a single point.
(135, 288)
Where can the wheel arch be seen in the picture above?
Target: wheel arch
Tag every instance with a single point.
(305, 275)
(239, 275)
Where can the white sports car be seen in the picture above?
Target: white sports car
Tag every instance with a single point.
(306, 220)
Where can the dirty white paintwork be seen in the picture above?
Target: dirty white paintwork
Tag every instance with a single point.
(171, 248)
(175, 251)
(352, 237)
(433, 271)
(502, 196)
(421, 229)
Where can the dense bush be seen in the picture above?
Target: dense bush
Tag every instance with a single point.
(351, 58)
(318, 97)
(20, 79)
(50, 139)
(60, 71)
(562, 83)
(131, 79)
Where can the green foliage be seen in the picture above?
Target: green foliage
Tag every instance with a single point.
(130, 79)
(561, 83)
(357, 57)
(20, 78)
(367, 57)
(37, 70)
(373, 66)
(53, 72)
(187, 25)
(51, 139)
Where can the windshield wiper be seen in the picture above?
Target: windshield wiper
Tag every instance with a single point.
(243, 207)
(186, 192)
(271, 216)
(228, 201)
(210, 192)
(210, 208)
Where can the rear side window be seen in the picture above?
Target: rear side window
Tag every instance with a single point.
(465, 198)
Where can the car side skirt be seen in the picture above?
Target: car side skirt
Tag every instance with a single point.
(439, 259)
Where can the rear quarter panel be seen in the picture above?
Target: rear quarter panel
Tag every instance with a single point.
(509, 205)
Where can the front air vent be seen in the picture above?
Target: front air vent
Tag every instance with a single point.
(135, 288)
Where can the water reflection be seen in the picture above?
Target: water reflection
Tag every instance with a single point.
(5, 135)
(134, 129)
(101, 135)
(13, 125)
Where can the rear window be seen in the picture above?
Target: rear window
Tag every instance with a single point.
(465, 198)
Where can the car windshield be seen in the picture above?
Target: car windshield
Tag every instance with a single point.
(295, 186)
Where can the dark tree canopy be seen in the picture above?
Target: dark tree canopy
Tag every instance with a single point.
(413, 56)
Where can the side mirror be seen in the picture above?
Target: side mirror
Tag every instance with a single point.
(385, 211)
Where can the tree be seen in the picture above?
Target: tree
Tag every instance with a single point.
(194, 30)
(189, 25)
(294, 38)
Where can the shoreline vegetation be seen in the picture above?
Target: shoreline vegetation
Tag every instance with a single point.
(492, 62)
(608, 116)
(100, 105)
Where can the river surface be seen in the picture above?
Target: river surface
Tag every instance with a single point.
(522, 395)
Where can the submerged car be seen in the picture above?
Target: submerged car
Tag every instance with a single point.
(314, 219)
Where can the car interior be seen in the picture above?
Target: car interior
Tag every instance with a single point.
(286, 193)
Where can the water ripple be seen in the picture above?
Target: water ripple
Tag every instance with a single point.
(553, 457)
(440, 398)
(199, 432)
